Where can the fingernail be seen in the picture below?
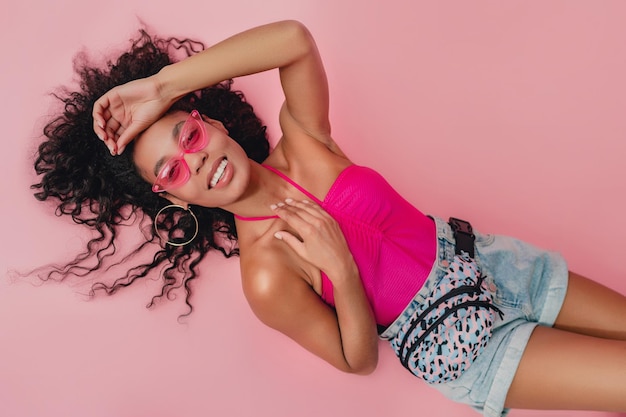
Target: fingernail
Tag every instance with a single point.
(278, 236)
(273, 206)
(281, 204)
(288, 200)
(305, 201)
(100, 136)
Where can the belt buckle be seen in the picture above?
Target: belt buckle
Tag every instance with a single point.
(461, 226)
(463, 235)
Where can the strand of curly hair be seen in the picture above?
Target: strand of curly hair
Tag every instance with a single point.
(103, 192)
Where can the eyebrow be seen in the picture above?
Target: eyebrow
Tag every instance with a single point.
(175, 135)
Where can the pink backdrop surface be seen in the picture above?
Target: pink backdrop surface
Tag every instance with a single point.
(510, 114)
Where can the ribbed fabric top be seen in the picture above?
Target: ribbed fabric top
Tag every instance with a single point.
(393, 244)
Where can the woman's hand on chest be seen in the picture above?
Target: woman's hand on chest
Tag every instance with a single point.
(315, 237)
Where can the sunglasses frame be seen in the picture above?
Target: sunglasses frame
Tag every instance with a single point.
(194, 121)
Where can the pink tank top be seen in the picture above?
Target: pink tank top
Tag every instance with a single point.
(393, 244)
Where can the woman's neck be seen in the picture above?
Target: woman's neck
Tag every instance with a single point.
(264, 189)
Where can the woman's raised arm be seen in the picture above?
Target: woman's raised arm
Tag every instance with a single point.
(127, 110)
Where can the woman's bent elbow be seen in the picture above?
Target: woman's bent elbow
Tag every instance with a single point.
(365, 367)
(365, 370)
(301, 38)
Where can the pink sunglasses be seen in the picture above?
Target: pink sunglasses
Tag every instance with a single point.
(175, 172)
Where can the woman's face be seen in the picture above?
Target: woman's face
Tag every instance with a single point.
(220, 171)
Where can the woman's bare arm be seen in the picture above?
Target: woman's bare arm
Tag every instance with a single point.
(126, 110)
(345, 336)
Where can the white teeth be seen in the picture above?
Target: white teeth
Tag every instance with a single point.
(219, 172)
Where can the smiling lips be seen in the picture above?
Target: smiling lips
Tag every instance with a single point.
(219, 173)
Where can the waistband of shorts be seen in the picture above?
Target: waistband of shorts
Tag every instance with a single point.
(445, 252)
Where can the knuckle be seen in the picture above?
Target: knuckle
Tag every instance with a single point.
(309, 229)
(318, 224)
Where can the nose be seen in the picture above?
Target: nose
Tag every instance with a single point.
(195, 160)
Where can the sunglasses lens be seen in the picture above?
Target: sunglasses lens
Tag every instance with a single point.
(193, 136)
(173, 174)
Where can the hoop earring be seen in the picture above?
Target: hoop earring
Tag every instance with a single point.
(195, 233)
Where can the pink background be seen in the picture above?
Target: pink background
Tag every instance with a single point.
(510, 114)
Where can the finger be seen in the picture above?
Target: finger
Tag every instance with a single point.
(110, 144)
(295, 217)
(99, 130)
(309, 207)
(291, 241)
(312, 213)
(112, 127)
(113, 130)
(99, 120)
(127, 135)
(99, 108)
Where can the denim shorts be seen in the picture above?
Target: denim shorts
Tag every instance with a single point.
(529, 286)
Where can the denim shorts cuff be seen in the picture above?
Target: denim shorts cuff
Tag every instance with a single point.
(494, 405)
(555, 294)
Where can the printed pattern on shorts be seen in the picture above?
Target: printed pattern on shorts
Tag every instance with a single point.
(450, 329)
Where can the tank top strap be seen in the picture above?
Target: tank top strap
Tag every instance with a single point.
(292, 182)
(254, 219)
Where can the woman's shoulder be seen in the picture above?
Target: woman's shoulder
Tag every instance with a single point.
(269, 276)
(310, 165)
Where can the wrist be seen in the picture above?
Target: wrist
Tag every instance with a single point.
(169, 89)
(344, 272)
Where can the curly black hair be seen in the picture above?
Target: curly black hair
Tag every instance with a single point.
(104, 192)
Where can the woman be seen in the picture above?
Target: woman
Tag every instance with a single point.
(330, 255)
